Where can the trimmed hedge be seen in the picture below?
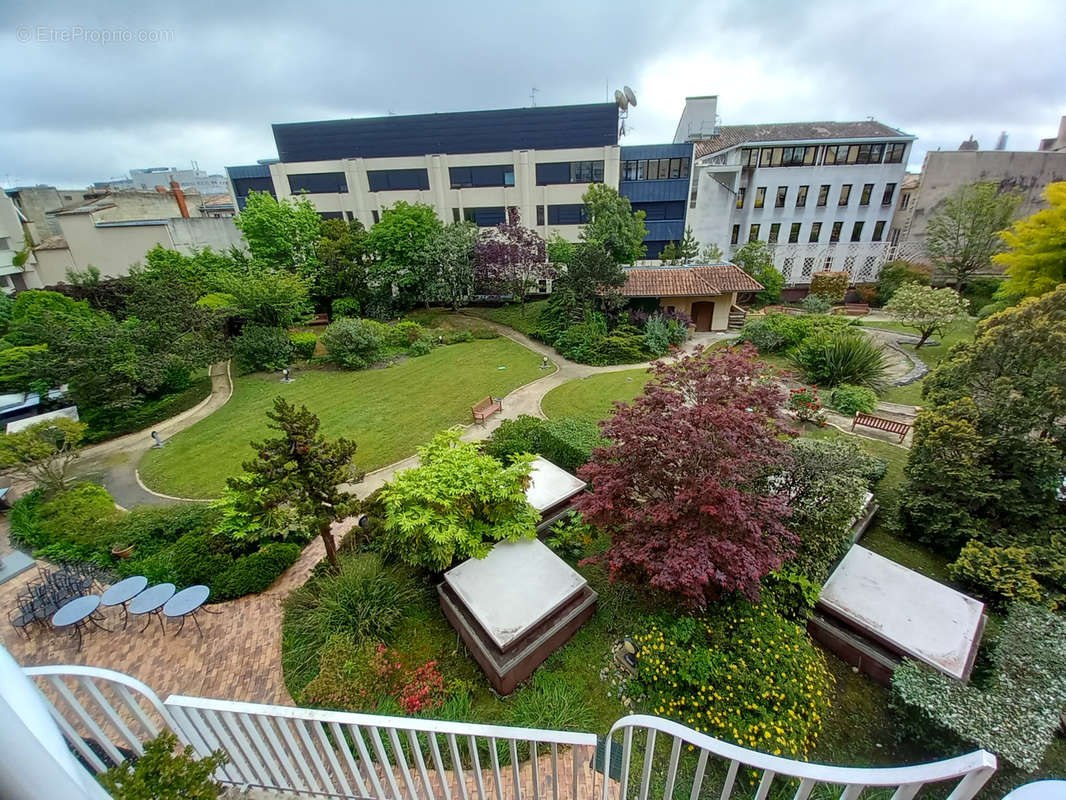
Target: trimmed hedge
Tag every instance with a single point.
(847, 398)
(261, 348)
(303, 344)
(354, 343)
(106, 424)
(256, 572)
(833, 286)
(774, 333)
(566, 442)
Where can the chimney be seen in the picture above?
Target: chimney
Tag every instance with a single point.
(179, 197)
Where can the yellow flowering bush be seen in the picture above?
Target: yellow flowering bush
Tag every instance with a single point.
(742, 673)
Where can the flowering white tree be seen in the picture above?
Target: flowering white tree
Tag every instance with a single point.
(926, 310)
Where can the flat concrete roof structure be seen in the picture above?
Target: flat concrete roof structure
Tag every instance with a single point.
(515, 607)
(551, 485)
(905, 611)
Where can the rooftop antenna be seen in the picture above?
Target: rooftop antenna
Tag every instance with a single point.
(533, 96)
(624, 98)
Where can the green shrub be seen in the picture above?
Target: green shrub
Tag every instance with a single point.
(77, 523)
(453, 336)
(988, 309)
(742, 673)
(198, 558)
(480, 332)
(150, 528)
(403, 333)
(832, 286)
(776, 332)
(816, 304)
(850, 399)
(17, 366)
(109, 423)
(1016, 711)
(354, 343)
(896, 273)
(806, 406)
(571, 536)
(657, 335)
(619, 348)
(345, 307)
(261, 348)
(303, 344)
(519, 435)
(419, 347)
(364, 600)
(255, 572)
(456, 504)
(25, 520)
(566, 442)
(831, 359)
(219, 301)
(551, 702)
(980, 292)
(163, 774)
(1005, 574)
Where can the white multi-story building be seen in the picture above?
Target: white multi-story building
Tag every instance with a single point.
(466, 165)
(188, 179)
(823, 193)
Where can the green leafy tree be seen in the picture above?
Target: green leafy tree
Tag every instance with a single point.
(756, 259)
(613, 224)
(343, 257)
(964, 234)
(1036, 260)
(669, 254)
(31, 308)
(283, 234)
(19, 366)
(896, 273)
(300, 471)
(989, 447)
(272, 298)
(449, 264)
(44, 451)
(688, 249)
(399, 242)
(202, 271)
(456, 504)
(712, 254)
(559, 250)
(592, 274)
(927, 310)
(162, 774)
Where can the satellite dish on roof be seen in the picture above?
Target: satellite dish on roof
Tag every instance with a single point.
(621, 100)
(630, 95)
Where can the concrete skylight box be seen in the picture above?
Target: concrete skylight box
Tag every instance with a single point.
(515, 607)
(869, 597)
(551, 490)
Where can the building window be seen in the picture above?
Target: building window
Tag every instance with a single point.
(652, 169)
(823, 195)
(456, 216)
(497, 175)
(540, 215)
(782, 193)
(318, 183)
(879, 231)
(867, 190)
(904, 200)
(828, 265)
(692, 197)
(869, 154)
(845, 194)
(760, 196)
(569, 172)
(894, 153)
(801, 196)
(802, 156)
(374, 215)
(775, 231)
(834, 234)
(657, 212)
(836, 154)
(393, 180)
(749, 158)
(485, 217)
(753, 233)
(856, 232)
(736, 235)
(816, 232)
(569, 214)
(894, 237)
(743, 190)
(794, 232)
(890, 191)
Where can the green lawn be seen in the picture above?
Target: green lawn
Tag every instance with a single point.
(592, 398)
(911, 394)
(389, 412)
(511, 315)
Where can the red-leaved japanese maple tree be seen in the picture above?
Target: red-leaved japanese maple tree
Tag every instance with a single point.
(685, 489)
(511, 258)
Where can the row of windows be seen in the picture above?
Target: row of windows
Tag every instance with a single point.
(393, 180)
(656, 169)
(814, 235)
(570, 172)
(317, 183)
(496, 175)
(811, 155)
(823, 195)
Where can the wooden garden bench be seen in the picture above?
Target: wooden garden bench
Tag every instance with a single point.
(881, 424)
(853, 309)
(483, 409)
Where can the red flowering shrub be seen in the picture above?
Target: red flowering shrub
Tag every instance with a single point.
(806, 406)
(684, 487)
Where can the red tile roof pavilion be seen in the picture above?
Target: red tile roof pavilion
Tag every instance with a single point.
(693, 280)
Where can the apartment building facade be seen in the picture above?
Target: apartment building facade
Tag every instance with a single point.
(822, 193)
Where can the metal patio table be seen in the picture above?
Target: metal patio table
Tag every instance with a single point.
(121, 593)
(187, 603)
(78, 613)
(150, 602)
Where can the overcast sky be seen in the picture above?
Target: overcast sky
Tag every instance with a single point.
(211, 77)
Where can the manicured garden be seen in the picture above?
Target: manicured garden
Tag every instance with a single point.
(389, 412)
(911, 394)
(593, 398)
(512, 315)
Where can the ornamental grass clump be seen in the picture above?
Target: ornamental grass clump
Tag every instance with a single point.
(743, 674)
(830, 359)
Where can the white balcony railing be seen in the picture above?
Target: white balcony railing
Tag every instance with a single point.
(107, 716)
